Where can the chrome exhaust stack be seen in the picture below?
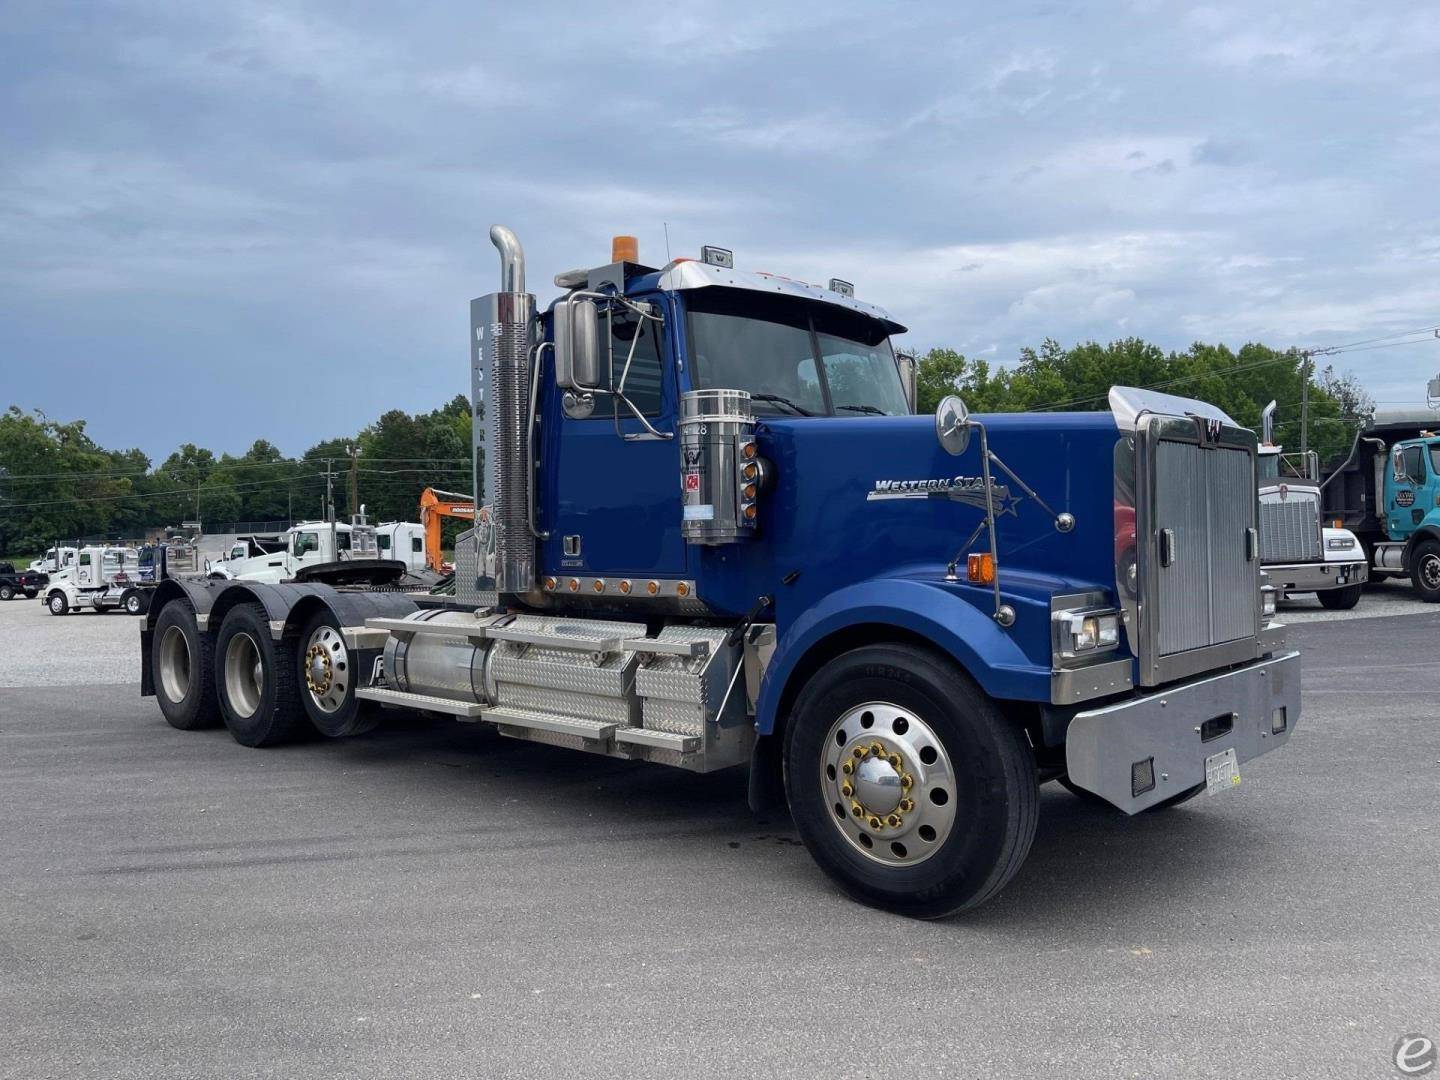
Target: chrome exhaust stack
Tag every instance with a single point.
(1267, 425)
(502, 338)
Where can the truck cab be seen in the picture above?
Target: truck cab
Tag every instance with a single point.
(1411, 514)
(402, 540)
(309, 544)
(101, 578)
(1298, 551)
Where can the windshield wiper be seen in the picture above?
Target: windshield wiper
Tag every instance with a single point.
(800, 410)
(870, 409)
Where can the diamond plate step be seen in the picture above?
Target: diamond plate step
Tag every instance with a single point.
(409, 626)
(664, 740)
(468, 710)
(594, 730)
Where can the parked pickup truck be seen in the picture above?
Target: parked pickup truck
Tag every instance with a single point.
(14, 582)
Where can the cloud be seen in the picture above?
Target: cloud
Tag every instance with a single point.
(250, 190)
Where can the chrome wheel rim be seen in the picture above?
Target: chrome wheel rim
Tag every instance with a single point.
(174, 663)
(57, 604)
(132, 605)
(244, 676)
(327, 669)
(1430, 571)
(889, 784)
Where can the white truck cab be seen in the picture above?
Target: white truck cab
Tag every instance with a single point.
(403, 540)
(307, 544)
(100, 578)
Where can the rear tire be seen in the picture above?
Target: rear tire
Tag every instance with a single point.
(963, 824)
(32, 593)
(1425, 570)
(134, 603)
(256, 680)
(57, 603)
(328, 672)
(1341, 599)
(182, 669)
(7, 592)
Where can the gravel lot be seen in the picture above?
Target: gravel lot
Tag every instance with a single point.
(431, 900)
(80, 649)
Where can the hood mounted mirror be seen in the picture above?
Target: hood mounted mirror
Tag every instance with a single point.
(952, 425)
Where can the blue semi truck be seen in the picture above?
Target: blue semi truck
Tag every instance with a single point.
(713, 534)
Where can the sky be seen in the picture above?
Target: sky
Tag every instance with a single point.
(223, 222)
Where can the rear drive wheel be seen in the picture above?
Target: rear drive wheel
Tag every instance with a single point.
(32, 593)
(1425, 570)
(908, 786)
(329, 671)
(7, 592)
(182, 669)
(57, 603)
(1341, 599)
(256, 679)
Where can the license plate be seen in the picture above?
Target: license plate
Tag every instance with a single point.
(1222, 772)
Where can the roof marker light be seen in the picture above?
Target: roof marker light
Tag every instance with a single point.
(844, 288)
(717, 256)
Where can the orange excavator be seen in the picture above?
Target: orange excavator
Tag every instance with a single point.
(435, 505)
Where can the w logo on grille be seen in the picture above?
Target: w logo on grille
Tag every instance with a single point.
(1208, 429)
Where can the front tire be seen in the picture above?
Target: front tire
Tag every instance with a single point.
(133, 603)
(1342, 599)
(7, 592)
(1425, 570)
(182, 670)
(950, 837)
(328, 671)
(255, 679)
(57, 604)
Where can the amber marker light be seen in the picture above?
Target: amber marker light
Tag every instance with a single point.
(682, 590)
(980, 568)
(625, 587)
(653, 588)
(624, 249)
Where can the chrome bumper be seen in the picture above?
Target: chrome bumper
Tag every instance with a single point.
(1316, 576)
(1169, 727)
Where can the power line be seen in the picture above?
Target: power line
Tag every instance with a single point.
(163, 470)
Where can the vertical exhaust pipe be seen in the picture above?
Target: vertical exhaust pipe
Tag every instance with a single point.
(502, 327)
(1267, 424)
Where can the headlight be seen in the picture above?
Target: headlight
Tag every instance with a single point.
(1339, 543)
(1081, 632)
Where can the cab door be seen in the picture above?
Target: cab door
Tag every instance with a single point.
(1409, 481)
(609, 491)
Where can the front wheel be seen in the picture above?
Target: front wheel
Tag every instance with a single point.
(1341, 599)
(908, 786)
(133, 603)
(7, 592)
(32, 593)
(57, 603)
(1425, 570)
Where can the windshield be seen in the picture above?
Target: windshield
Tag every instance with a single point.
(794, 358)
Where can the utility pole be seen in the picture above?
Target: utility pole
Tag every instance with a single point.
(1305, 366)
(354, 482)
(330, 503)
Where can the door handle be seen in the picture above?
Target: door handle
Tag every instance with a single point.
(1252, 545)
(1167, 547)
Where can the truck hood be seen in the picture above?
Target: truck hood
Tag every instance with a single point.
(869, 497)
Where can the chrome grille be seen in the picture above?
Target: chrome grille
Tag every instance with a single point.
(1289, 530)
(1204, 499)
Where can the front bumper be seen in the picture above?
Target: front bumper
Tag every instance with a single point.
(1316, 576)
(1178, 728)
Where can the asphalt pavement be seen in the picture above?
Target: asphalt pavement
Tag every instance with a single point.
(434, 900)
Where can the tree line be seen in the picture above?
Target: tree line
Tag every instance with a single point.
(56, 482)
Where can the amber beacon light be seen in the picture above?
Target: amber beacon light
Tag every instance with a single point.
(624, 249)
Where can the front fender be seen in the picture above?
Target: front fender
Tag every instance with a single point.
(934, 610)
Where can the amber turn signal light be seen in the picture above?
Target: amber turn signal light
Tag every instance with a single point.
(980, 568)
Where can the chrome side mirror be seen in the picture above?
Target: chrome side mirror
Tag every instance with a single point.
(952, 425)
(577, 344)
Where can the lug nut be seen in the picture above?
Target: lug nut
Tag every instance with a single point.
(873, 822)
(907, 781)
(860, 751)
(894, 760)
(846, 789)
(857, 809)
(906, 805)
(847, 767)
(894, 821)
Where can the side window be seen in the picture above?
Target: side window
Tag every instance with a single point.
(85, 559)
(642, 382)
(384, 540)
(417, 544)
(1414, 462)
(1435, 458)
